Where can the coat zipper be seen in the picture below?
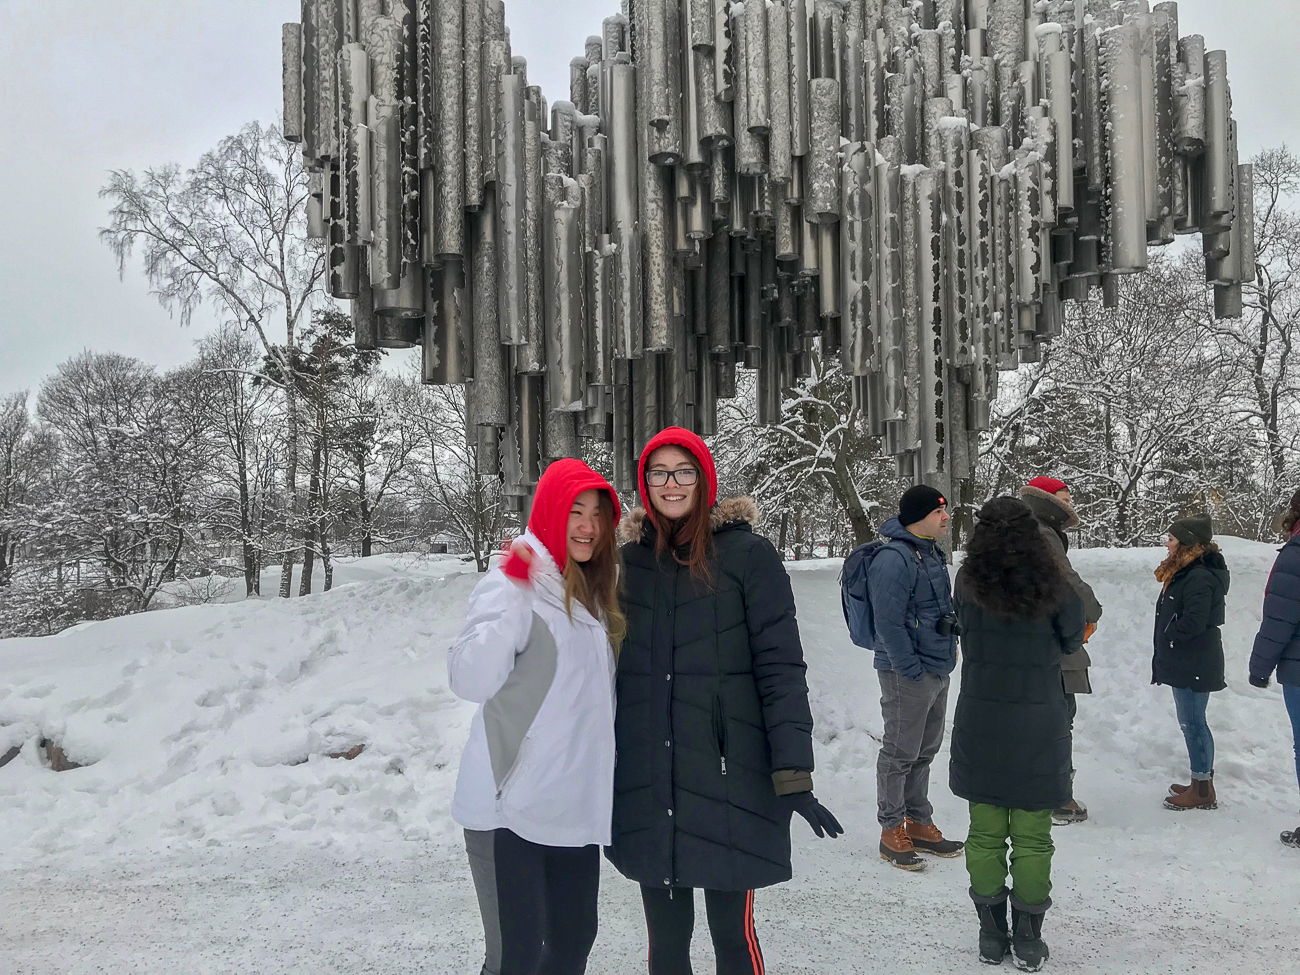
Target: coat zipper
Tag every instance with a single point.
(519, 761)
(720, 730)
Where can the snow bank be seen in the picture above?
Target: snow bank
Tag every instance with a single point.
(210, 724)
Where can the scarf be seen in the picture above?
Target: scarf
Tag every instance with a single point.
(1184, 556)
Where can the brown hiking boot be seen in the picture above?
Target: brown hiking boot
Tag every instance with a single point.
(927, 838)
(1200, 795)
(896, 847)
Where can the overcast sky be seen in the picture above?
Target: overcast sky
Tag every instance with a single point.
(87, 86)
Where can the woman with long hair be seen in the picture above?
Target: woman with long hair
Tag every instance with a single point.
(714, 729)
(536, 779)
(1189, 648)
(1277, 645)
(1011, 730)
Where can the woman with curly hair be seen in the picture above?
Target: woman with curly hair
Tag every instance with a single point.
(1011, 731)
(1189, 648)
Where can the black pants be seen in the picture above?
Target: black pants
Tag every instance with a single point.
(670, 919)
(538, 903)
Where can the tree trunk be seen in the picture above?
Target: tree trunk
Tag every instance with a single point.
(311, 523)
(367, 531)
(325, 559)
(291, 494)
(246, 525)
(780, 538)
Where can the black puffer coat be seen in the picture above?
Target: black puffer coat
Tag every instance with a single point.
(1011, 730)
(1189, 612)
(712, 711)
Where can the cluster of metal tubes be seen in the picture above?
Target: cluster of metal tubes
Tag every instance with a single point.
(915, 186)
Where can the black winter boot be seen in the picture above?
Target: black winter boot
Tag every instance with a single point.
(995, 938)
(1291, 837)
(1028, 949)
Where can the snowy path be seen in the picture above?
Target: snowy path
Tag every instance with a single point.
(189, 847)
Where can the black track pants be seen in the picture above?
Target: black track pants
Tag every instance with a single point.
(670, 919)
(538, 903)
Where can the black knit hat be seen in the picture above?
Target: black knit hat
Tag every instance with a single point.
(1193, 530)
(917, 502)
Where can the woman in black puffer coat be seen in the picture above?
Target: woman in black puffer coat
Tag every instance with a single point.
(713, 727)
(1011, 731)
(1189, 648)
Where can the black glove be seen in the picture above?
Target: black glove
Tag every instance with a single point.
(818, 816)
(1259, 682)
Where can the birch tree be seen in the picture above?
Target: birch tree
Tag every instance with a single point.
(231, 233)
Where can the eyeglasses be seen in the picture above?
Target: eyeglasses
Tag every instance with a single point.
(684, 478)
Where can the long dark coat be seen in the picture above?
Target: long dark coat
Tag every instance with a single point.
(1011, 730)
(1189, 612)
(1277, 644)
(712, 712)
(1055, 517)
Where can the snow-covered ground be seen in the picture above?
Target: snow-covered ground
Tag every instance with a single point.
(210, 832)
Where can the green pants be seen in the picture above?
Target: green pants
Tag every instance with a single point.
(1030, 834)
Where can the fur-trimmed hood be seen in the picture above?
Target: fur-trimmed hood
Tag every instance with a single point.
(729, 511)
(1056, 513)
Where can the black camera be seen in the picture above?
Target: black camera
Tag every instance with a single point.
(947, 625)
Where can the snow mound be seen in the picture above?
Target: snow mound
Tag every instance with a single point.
(213, 723)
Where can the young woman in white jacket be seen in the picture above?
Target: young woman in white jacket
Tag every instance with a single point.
(535, 788)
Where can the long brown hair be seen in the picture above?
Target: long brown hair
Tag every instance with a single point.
(1182, 557)
(594, 583)
(693, 533)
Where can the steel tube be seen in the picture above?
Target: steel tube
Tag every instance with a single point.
(472, 102)
(779, 144)
(823, 166)
(1218, 176)
(489, 391)
(448, 355)
(450, 168)
(1121, 58)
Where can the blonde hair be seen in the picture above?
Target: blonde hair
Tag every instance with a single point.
(594, 583)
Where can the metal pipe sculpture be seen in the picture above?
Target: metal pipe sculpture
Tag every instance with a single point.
(915, 186)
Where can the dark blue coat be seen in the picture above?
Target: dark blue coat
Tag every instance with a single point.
(1277, 645)
(906, 617)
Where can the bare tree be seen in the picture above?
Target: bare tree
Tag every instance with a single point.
(377, 444)
(132, 447)
(820, 445)
(444, 468)
(230, 232)
(244, 471)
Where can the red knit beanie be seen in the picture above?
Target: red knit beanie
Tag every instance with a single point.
(1049, 484)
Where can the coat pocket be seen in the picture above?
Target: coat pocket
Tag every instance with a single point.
(720, 730)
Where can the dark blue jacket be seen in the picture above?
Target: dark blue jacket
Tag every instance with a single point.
(1277, 645)
(907, 639)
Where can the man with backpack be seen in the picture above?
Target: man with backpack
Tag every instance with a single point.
(898, 601)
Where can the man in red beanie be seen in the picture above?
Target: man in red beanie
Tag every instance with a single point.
(1049, 499)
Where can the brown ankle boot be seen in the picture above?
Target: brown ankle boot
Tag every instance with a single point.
(1177, 788)
(896, 847)
(927, 838)
(1199, 795)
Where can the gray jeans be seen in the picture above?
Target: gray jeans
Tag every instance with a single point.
(914, 712)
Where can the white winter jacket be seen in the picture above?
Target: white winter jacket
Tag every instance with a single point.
(540, 755)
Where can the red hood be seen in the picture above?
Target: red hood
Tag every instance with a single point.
(561, 482)
(678, 437)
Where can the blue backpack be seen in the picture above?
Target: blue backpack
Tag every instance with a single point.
(855, 597)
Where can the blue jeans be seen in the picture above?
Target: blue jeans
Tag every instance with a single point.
(1190, 706)
(1291, 694)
